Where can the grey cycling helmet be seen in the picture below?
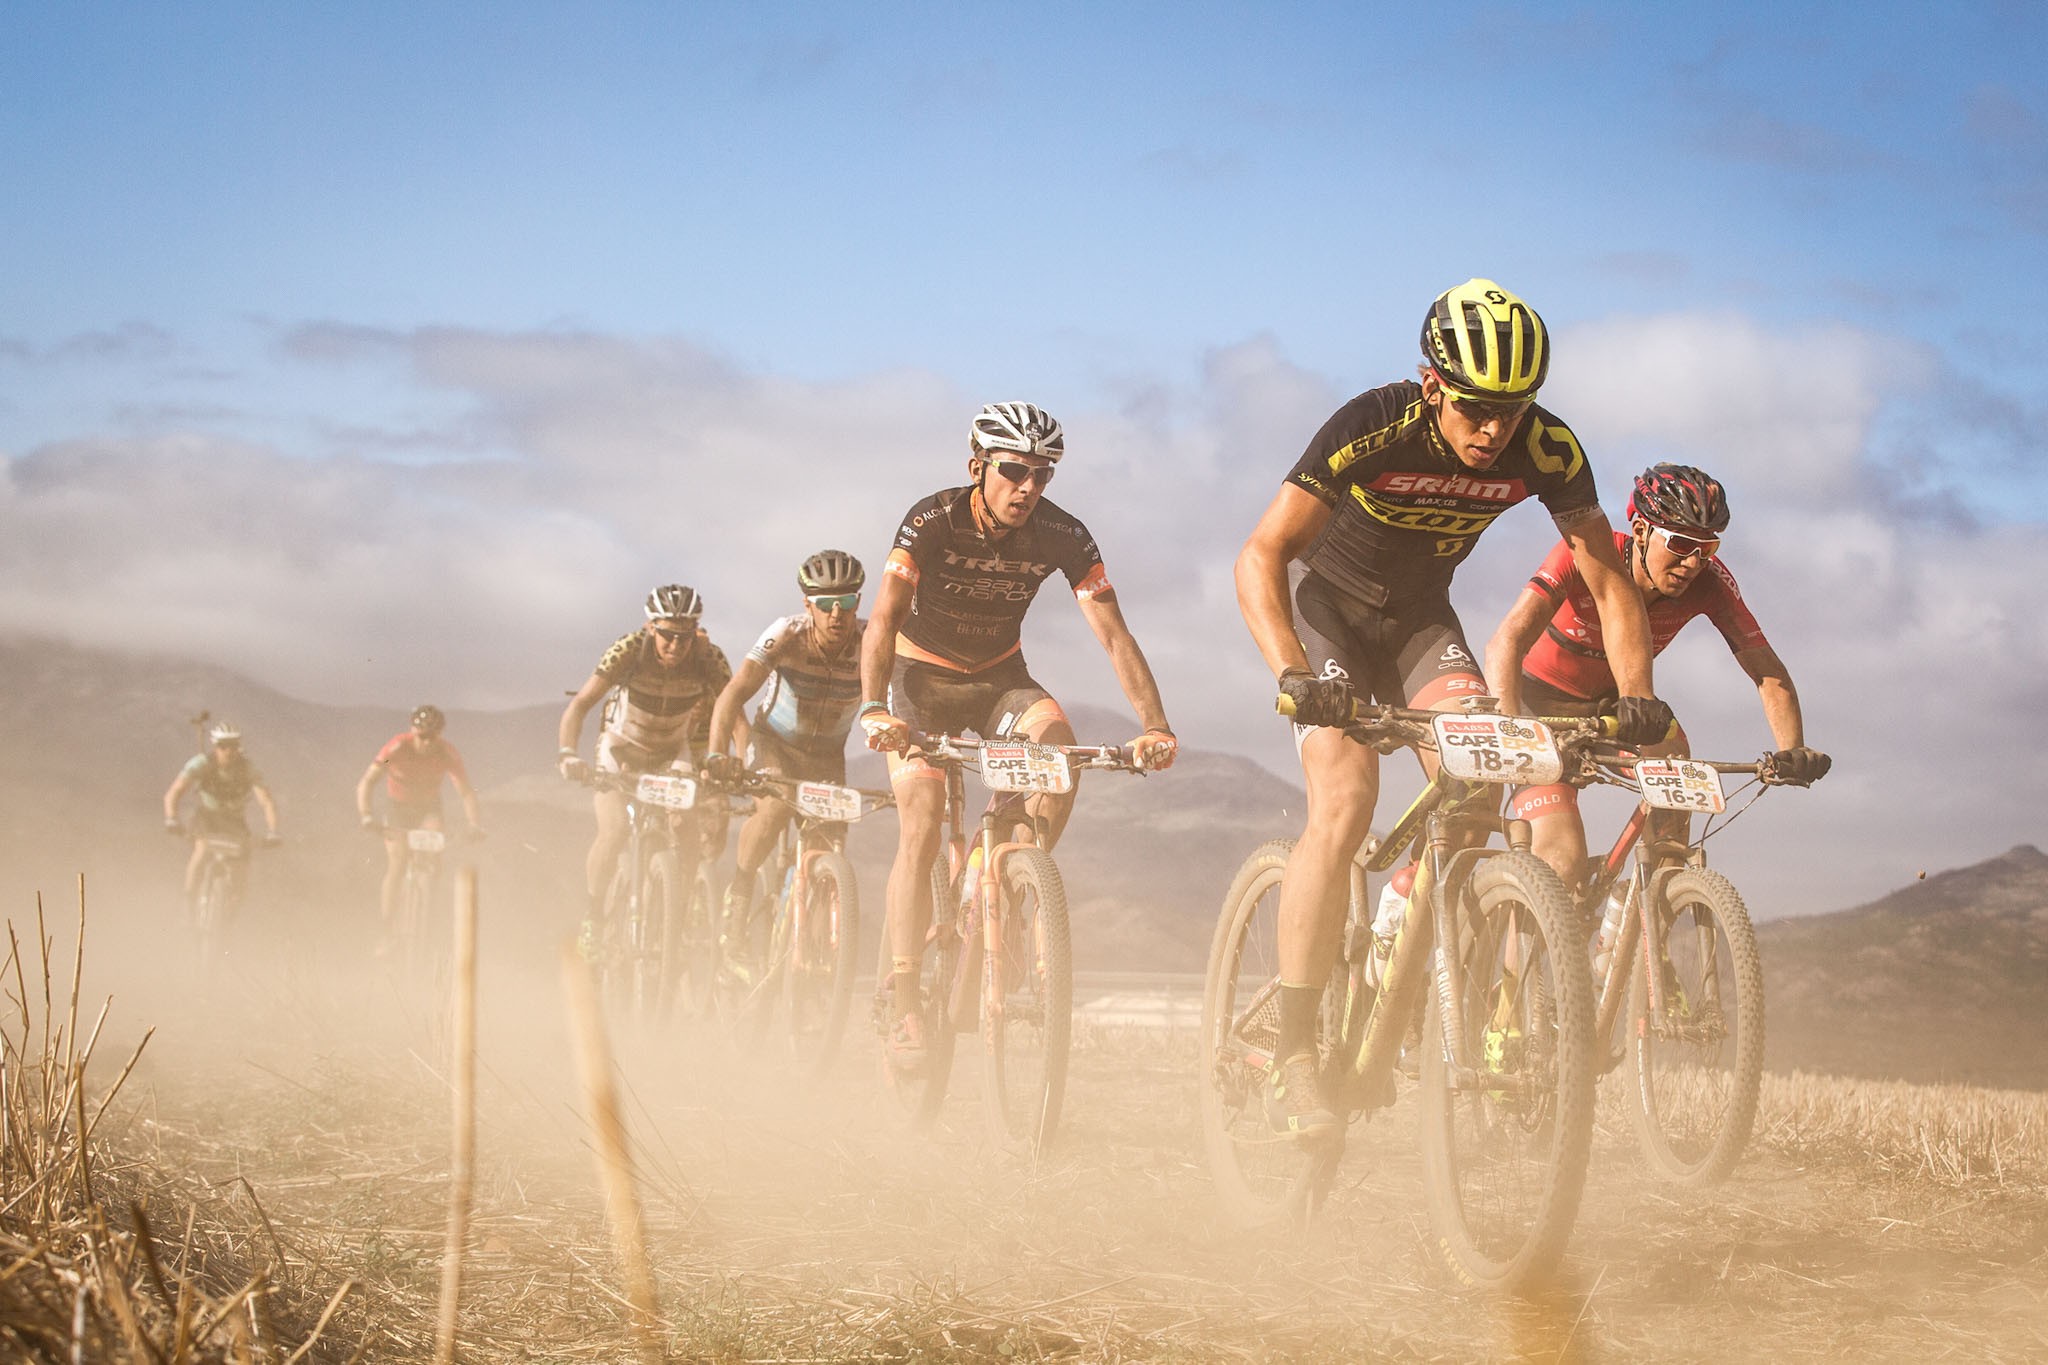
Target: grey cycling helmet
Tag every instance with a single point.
(1024, 428)
(673, 601)
(830, 571)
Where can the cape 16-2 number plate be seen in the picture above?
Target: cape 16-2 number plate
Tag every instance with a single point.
(1680, 784)
(1016, 766)
(1497, 749)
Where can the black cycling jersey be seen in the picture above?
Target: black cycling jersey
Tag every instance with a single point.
(1406, 510)
(972, 590)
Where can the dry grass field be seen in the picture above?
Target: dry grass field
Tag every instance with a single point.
(284, 1138)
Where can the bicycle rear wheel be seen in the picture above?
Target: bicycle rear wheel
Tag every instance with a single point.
(1505, 1149)
(1028, 1003)
(922, 1089)
(1696, 1062)
(817, 970)
(1262, 1177)
(696, 947)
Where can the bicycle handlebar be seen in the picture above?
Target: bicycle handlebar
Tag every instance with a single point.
(955, 748)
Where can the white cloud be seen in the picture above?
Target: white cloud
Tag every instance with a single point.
(487, 555)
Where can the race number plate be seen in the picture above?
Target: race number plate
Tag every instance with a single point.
(1019, 767)
(1497, 749)
(670, 793)
(822, 801)
(426, 840)
(1680, 784)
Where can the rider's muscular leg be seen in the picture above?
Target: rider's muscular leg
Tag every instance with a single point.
(920, 811)
(1343, 784)
(1050, 726)
(604, 850)
(757, 836)
(1558, 837)
(394, 877)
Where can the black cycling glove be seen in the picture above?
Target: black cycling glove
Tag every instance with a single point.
(1799, 767)
(724, 770)
(1642, 720)
(1317, 701)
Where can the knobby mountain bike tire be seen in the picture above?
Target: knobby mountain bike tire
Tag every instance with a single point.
(922, 1090)
(1696, 1063)
(818, 965)
(1260, 1177)
(696, 945)
(1027, 1003)
(615, 947)
(210, 906)
(657, 937)
(1504, 1157)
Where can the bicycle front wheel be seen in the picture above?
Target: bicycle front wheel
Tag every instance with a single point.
(696, 946)
(921, 1089)
(657, 956)
(1262, 1177)
(817, 972)
(1697, 1059)
(1506, 1138)
(210, 907)
(1027, 1003)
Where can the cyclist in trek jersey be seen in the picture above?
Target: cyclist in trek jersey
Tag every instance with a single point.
(225, 779)
(1548, 657)
(413, 764)
(812, 660)
(1345, 586)
(662, 680)
(944, 654)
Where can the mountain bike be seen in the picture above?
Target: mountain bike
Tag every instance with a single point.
(803, 935)
(999, 953)
(217, 895)
(1682, 959)
(1486, 966)
(651, 949)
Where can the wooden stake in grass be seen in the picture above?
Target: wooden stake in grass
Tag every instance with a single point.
(462, 1069)
(614, 1167)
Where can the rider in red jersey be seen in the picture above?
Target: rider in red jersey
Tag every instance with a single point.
(1548, 657)
(413, 764)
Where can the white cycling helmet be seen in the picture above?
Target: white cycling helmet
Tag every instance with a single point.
(1024, 428)
(673, 601)
(224, 732)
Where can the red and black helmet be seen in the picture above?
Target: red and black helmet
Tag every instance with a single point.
(1679, 497)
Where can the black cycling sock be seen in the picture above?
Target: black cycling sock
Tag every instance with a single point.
(1298, 1008)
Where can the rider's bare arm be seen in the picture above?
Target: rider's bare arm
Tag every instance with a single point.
(364, 787)
(1623, 623)
(262, 795)
(732, 703)
(878, 645)
(1133, 674)
(471, 811)
(176, 793)
(1289, 526)
(1511, 643)
(1774, 686)
(569, 734)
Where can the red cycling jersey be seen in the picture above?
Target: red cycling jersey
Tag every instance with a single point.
(1569, 655)
(413, 771)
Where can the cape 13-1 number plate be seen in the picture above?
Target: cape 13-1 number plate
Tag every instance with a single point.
(1015, 766)
(1497, 749)
(1680, 784)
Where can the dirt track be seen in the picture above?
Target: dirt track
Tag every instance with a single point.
(809, 1227)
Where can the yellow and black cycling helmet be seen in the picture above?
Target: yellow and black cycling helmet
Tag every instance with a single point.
(1486, 343)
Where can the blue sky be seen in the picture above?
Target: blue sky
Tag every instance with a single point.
(429, 317)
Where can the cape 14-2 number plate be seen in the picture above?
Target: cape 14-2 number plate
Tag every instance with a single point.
(1680, 784)
(823, 801)
(1497, 749)
(1015, 766)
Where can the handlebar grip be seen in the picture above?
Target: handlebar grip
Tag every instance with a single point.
(1284, 705)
